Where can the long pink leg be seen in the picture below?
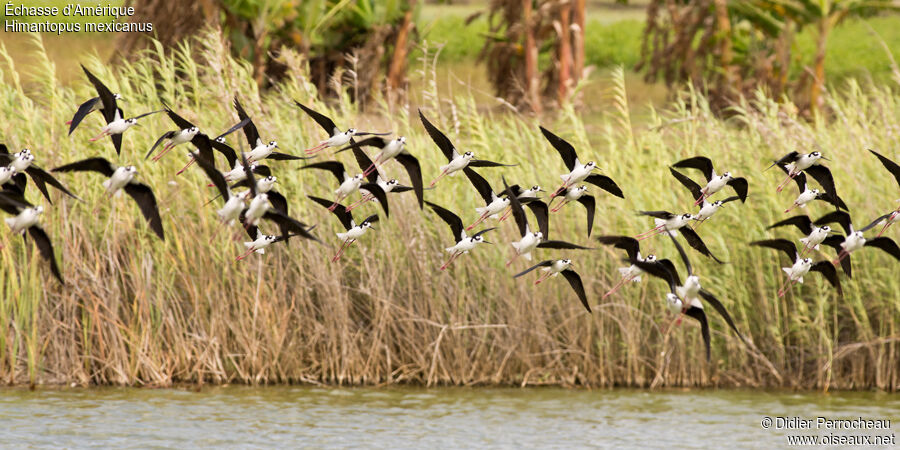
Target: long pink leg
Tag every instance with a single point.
(560, 189)
(618, 286)
(781, 185)
(656, 231)
(68, 122)
(374, 165)
(806, 248)
(480, 219)
(449, 261)
(99, 136)
(336, 201)
(216, 232)
(316, 149)
(698, 224)
(169, 146)
(514, 257)
(843, 254)
(189, 164)
(506, 214)
(885, 227)
(792, 207)
(246, 254)
(558, 207)
(651, 230)
(703, 196)
(438, 178)
(364, 199)
(543, 277)
(788, 283)
(340, 252)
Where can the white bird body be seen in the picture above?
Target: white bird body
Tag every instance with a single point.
(6, 174)
(853, 242)
(497, 205)
(689, 289)
(803, 162)
(394, 148)
(27, 218)
(557, 266)
(350, 185)
(119, 125)
(231, 211)
(258, 207)
(237, 173)
(799, 269)
(259, 245)
(121, 177)
(816, 237)
(339, 138)
(354, 232)
(806, 197)
(578, 173)
(531, 192)
(716, 183)
(707, 210)
(634, 272)
(675, 305)
(673, 224)
(573, 193)
(21, 160)
(261, 151)
(465, 244)
(459, 162)
(528, 243)
(266, 184)
(184, 136)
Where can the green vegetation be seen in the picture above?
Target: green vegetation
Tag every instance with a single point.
(144, 312)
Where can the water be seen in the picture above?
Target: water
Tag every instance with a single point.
(419, 418)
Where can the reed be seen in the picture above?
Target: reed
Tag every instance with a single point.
(137, 311)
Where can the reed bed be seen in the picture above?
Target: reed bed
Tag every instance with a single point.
(137, 311)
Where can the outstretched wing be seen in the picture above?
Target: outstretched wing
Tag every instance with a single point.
(606, 183)
(783, 245)
(546, 263)
(340, 211)
(891, 166)
(565, 149)
(720, 308)
(693, 239)
(841, 217)
(455, 223)
(82, 112)
(575, 281)
(803, 222)
(336, 169)
(591, 206)
(250, 128)
(700, 316)
(143, 196)
(562, 245)
(379, 195)
(411, 164)
(109, 101)
(700, 163)
(321, 119)
(885, 243)
(100, 165)
(688, 183)
(740, 186)
(46, 249)
(827, 269)
(438, 137)
(631, 245)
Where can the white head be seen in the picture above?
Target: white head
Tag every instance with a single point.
(581, 189)
(718, 203)
(131, 121)
(401, 140)
(468, 155)
(687, 217)
(38, 209)
(806, 261)
(350, 132)
(270, 179)
(650, 258)
(814, 191)
(358, 177)
(220, 139)
(273, 144)
(816, 155)
(269, 238)
(9, 168)
(727, 175)
(193, 130)
(825, 229)
(539, 236)
(131, 169)
(117, 96)
(477, 239)
(366, 224)
(590, 165)
(392, 182)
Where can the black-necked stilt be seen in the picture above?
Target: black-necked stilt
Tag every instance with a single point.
(22, 162)
(633, 248)
(259, 149)
(26, 218)
(394, 149)
(89, 106)
(671, 223)
(347, 184)
(122, 178)
(464, 243)
(578, 172)
(807, 195)
(116, 123)
(205, 147)
(494, 204)
(261, 242)
(795, 162)
(526, 195)
(457, 161)
(532, 240)
(894, 169)
(714, 182)
(855, 240)
(336, 137)
(578, 193)
(185, 132)
(815, 235)
(554, 267)
(374, 191)
(801, 265)
(707, 209)
(234, 203)
(354, 230)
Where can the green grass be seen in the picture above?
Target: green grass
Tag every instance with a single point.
(139, 311)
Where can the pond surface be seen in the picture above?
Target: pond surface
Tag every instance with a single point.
(423, 418)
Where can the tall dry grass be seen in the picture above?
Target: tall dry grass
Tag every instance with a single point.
(143, 312)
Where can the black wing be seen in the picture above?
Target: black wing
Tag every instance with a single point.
(481, 185)
(288, 224)
(484, 231)
(699, 315)
(364, 163)
(214, 175)
(631, 245)
(250, 129)
(541, 214)
(663, 269)
(740, 186)
(789, 158)
(323, 121)
(278, 156)
(243, 123)
(438, 137)
(379, 194)
(885, 243)
(693, 239)
(606, 183)
(100, 165)
(565, 149)
(109, 101)
(546, 263)
(147, 114)
(784, 245)
(665, 215)
(516, 209)
(824, 177)
(562, 245)
(336, 169)
(117, 140)
(876, 222)
(577, 286)
(891, 166)
(591, 206)
(683, 254)
(720, 308)
(278, 201)
(371, 219)
(486, 163)
(82, 112)
(340, 211)
(373, 141)
(46, 249)
(700, 163)
(143, 196)
(835, 243)
(41, 178)
(226, 151)
(800, 178)
(841, 217)
(456, 225)
(688, 183)
(803, 222)
(180, 122)
(411, 164)
(827, 269)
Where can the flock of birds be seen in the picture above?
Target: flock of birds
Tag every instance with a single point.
(259, 201)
